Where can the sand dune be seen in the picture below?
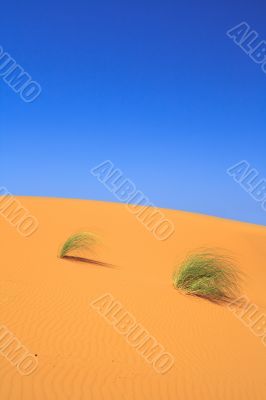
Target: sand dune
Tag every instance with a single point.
(45, 302)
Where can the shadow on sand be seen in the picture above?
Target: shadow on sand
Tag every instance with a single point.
(88, 261)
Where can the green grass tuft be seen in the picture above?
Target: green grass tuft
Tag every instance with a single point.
(78, 241)
(208, 275)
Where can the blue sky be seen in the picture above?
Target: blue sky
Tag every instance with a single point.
(157, 87)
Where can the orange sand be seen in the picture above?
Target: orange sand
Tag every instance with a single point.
(45, 302)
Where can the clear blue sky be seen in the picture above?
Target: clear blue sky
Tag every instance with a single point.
(155, 86)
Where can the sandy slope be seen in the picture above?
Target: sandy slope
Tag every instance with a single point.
(45, 302)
